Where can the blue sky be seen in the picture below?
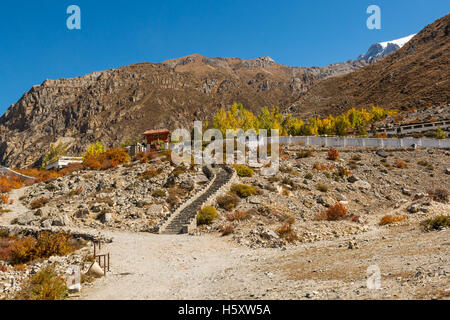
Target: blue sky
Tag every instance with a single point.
(36, 44)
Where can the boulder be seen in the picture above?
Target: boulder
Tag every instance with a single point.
(362, 184)
(326, 201)
(96, 271)
(187, 184)
(382, 153)
(352, 179)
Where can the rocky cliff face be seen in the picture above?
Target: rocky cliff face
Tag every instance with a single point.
(113, 105)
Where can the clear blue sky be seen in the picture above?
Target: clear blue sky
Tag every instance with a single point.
(36, 44)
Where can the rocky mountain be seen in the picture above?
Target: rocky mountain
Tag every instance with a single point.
(113, 105)
(381, 50)
(416, 75)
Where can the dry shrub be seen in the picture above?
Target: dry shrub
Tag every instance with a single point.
(243, 171)
(159, 193)
(437, 223)
(179, 171)
(356, 157)
(322, 187)
(304, 154)
(227, 230)
(391, 219)
(3, 269)
(5, 249)
(4, 198)
(107, 160)
(323, 167)
(44, 285)
(73, 167)
(228, 201)
(175, 194)
(39, 203)
(334, 213)
(40, 175)
(243, 190)
(333, 154)
(150, 173)
(440, 195)
(206, 215)
(401, 164)
(286, 231)
(47, 244)
(76, 192)
(426, 164)
(9, 182)
(238, 216)
(343, 172)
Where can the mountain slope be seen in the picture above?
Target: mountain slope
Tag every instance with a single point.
(417, 74)
(113, 105)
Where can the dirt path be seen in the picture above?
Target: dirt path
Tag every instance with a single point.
(16, 208)
(412, 265)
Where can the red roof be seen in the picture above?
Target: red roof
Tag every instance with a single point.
(151, 132)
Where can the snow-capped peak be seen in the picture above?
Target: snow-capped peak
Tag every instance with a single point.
(399, 42)
(383, 49)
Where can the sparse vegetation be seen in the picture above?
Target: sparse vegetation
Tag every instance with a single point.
(439, 194)
(391, 219)
(309, 176)
(322, 187)
(440, 134)
(39, 203)
(437, 223)
(159, 193)
(304, 154)
(238, 216)
(206, 215)
(333, 154)
(44, 285)
(243, 171)
(227, 229)
(286, 231)
(401, 164)
(426, 164)
(334, 213)
(243, 190)
(228, 201)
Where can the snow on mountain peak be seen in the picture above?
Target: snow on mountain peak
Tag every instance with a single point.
(383, 49)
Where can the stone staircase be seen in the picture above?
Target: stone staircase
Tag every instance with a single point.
(180, 221)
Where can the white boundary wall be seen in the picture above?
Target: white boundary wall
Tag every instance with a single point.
(357, 142)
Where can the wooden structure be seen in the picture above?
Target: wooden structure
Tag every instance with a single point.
(157, 139)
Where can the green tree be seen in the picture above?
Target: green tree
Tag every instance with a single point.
(56, 151)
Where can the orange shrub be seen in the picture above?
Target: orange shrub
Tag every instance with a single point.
(286, 231)
(391, 219)
(4, 198)
(333, 154)
(108, 159)
(400, 164)
(323, 167)
(9, 182)
(334, 213)
(40, 174)
(92, 163)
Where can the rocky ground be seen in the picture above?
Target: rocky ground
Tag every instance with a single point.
(325, 259)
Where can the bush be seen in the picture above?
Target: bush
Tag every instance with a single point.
(243, 190)
(228, 201)
(309, 176)
(391, 219)
(39, 203)
(322, 187)
(304, 154)
(440, 134)
(24, 250)
(44, 285)
(206, 215)
(103, 160)
(4, 198)
(426, 164)
(437, 223)
(440, 195)
(243, 171)
(5, 250)
(400, 164)
(159, 193)
(238, 216)
(9, 182)
(227, 230)
(333, 154)
(150, 173)
(286, 231)
(334, 213)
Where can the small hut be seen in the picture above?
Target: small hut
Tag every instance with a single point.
(157, 140)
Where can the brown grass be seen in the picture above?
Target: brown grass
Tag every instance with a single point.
(391, 219)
